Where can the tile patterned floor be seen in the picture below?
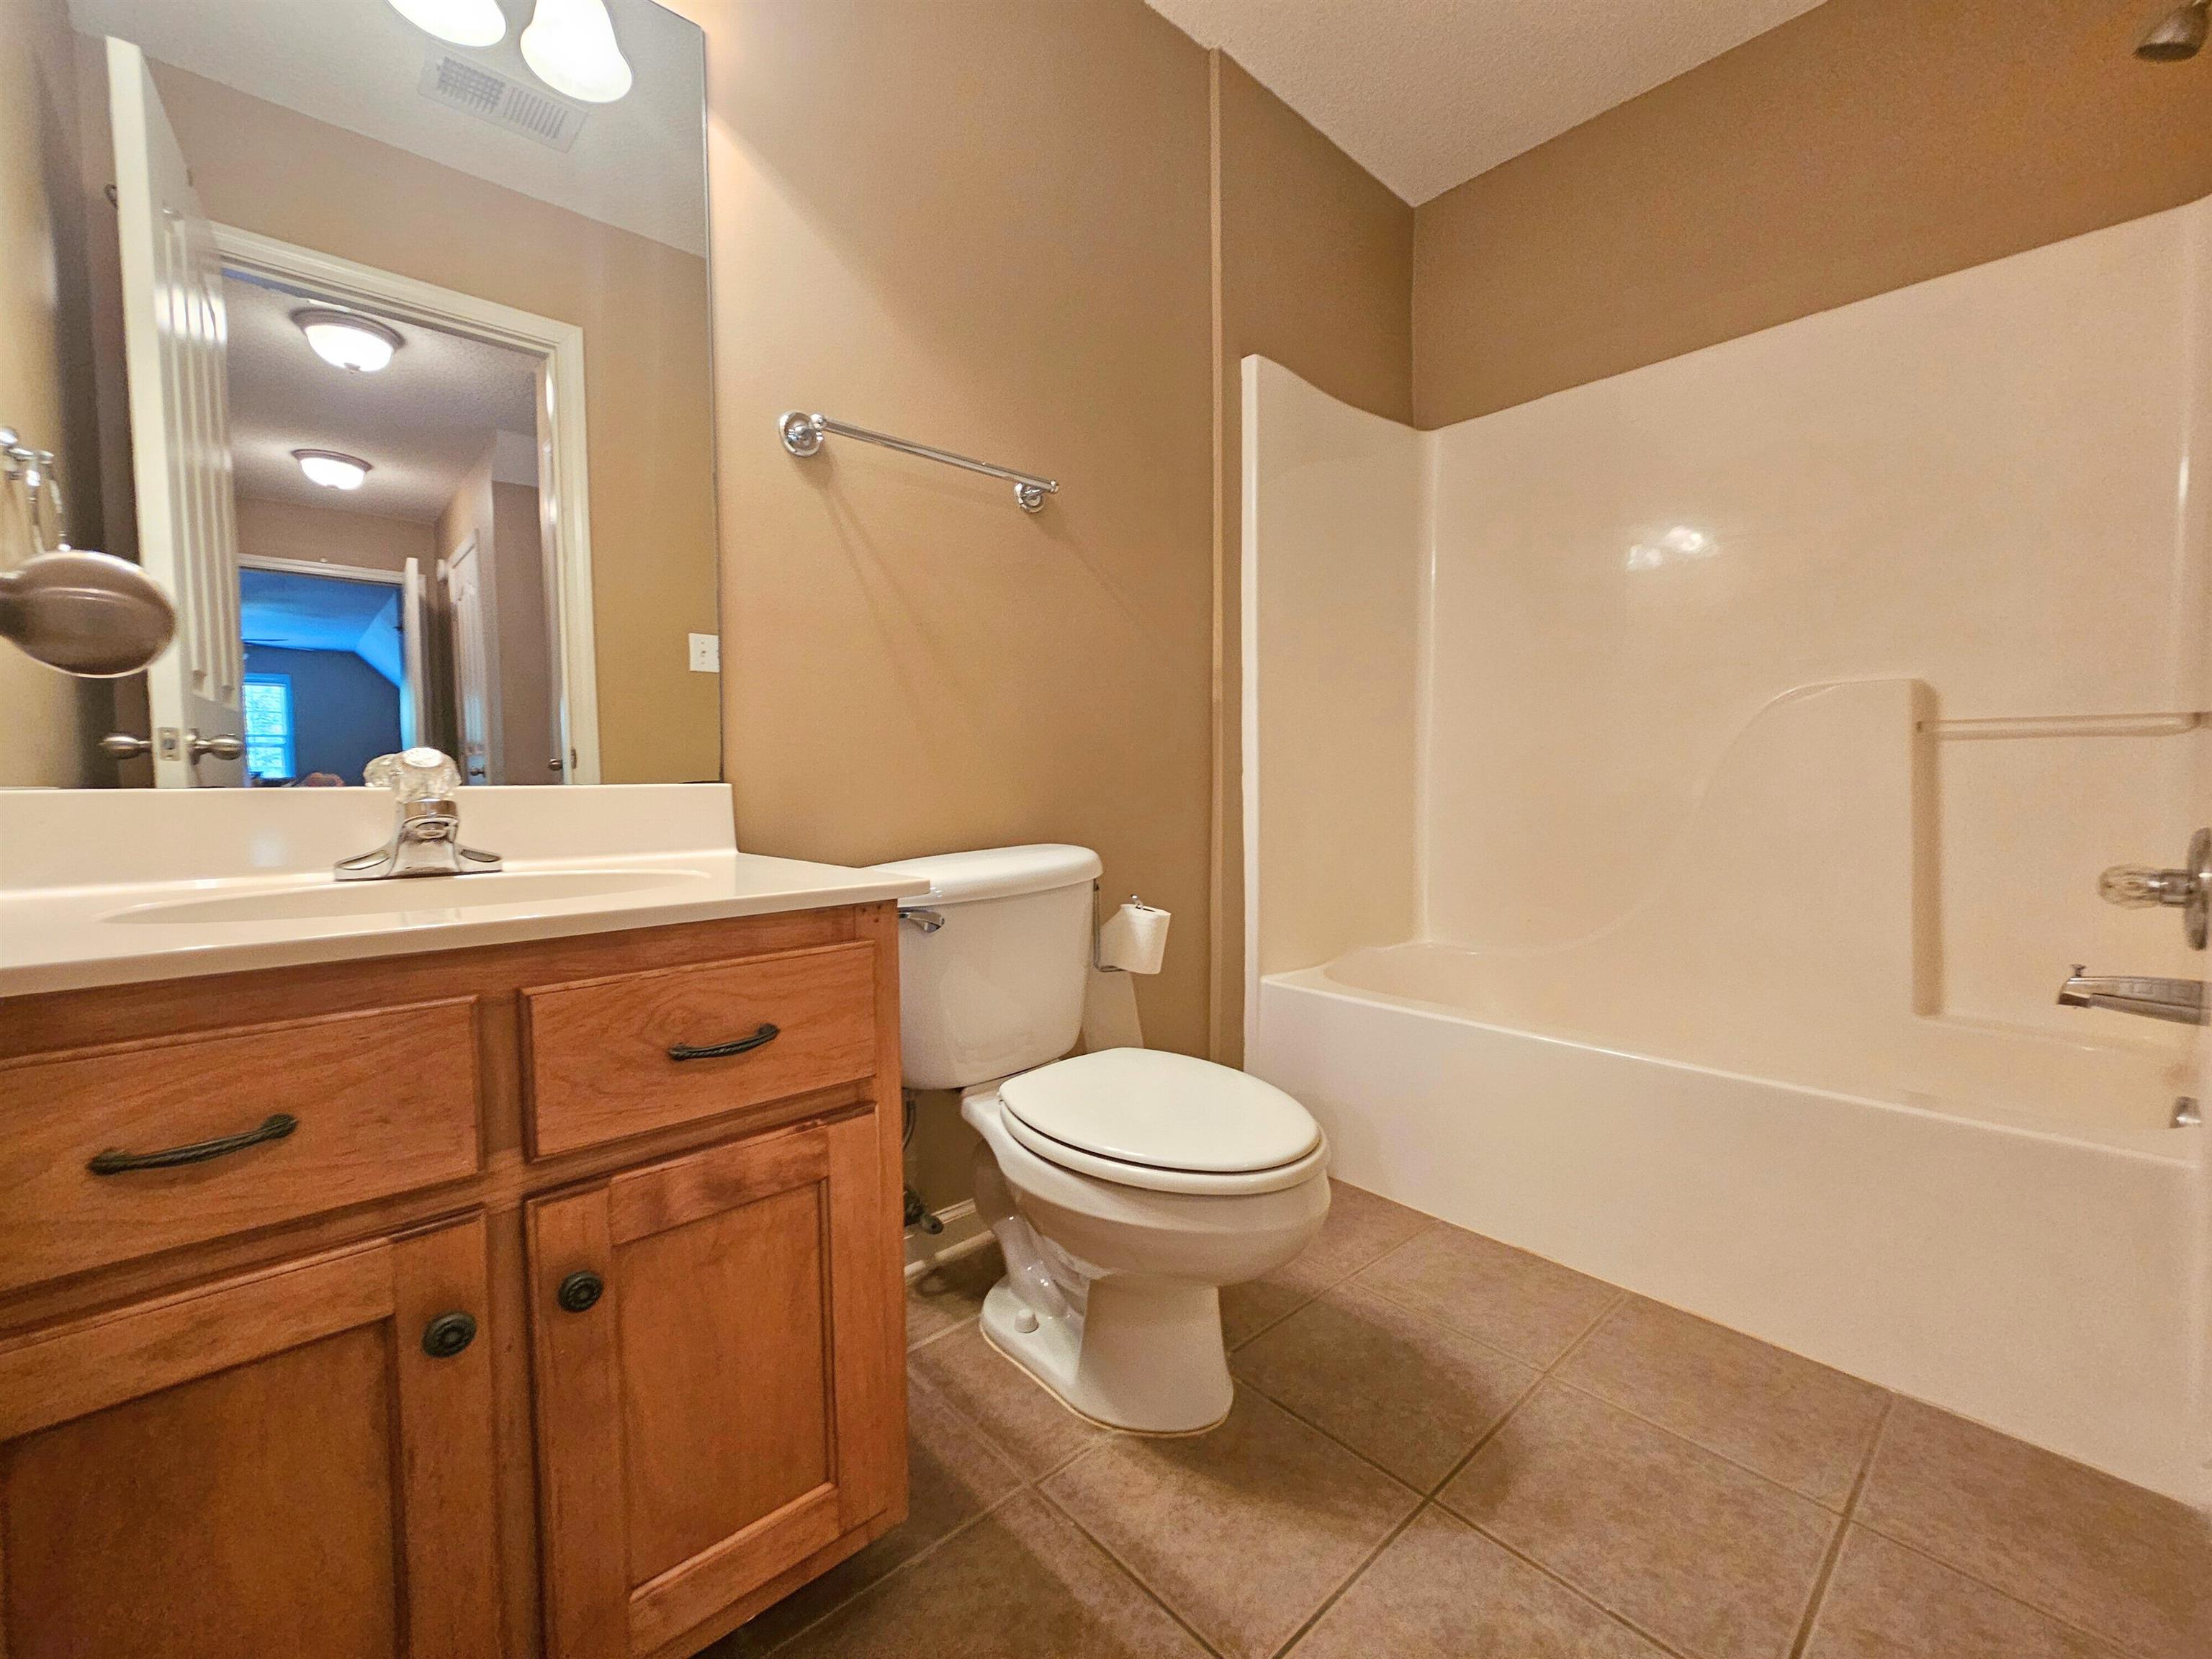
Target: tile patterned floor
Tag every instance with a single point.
(1445, 1449)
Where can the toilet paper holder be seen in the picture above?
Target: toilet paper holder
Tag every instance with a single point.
(1096, 925)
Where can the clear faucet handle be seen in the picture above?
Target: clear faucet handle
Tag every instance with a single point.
(2136, 885)
(413, 774)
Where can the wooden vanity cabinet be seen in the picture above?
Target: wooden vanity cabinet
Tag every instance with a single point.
(429, 1377)
(716, 1379)
(296, 1460)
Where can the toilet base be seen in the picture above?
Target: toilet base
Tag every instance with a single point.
(1143, 1355)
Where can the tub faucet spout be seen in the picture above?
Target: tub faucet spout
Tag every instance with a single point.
(2181, 1000)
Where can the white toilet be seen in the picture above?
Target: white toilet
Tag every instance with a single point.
(1126, 1185)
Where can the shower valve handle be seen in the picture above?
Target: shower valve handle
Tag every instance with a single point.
(2188, 890)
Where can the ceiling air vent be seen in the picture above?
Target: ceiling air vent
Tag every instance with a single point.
(490, 96)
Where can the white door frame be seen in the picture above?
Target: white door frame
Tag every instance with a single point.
(561, 346)
(337, 573)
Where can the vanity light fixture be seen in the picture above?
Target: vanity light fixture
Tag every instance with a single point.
(464, 22)
(570, 46)
(331, 469)
(345, 341)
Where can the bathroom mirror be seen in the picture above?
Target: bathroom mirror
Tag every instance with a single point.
(383, 338)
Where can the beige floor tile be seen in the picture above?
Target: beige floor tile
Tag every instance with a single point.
(1442, 1590)
(1705, 1556)
(1360, 1227)
(2133, 1567)
(1884, 1601)
(952, 1476)
(1531, 1308)
(1243, 1531)
(1015, 1413)
(952, 1294)
(1794, 1421)
(1021, 1583)
(1400, 1389)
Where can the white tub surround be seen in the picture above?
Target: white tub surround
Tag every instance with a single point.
(1672, 805)
(104, 887)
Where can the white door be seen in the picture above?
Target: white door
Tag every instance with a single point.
(415, 684)
(474, 696)
(173, 343)
(561, 762)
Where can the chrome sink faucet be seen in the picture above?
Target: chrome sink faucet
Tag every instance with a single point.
(426, 840)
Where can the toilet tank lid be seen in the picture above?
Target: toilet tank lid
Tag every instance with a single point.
(998, 872)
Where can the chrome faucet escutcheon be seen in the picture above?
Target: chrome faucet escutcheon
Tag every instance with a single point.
(427, 839)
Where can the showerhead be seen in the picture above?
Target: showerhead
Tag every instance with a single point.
(2178, 35)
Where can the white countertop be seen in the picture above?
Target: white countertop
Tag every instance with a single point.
(61, 932)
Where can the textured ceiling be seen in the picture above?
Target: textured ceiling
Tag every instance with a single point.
(421, 423)
(1426, 93)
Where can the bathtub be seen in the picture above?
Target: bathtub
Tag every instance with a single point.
(1993, 1220)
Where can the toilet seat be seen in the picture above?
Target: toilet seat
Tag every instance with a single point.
(1163, 1122)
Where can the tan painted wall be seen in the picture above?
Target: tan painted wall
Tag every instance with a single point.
(1313, 270)
(289, 530)
(982, 225)
(268, 169)
(1863, 146)
(47, 720)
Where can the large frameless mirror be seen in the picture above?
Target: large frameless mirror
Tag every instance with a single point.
(383, 337)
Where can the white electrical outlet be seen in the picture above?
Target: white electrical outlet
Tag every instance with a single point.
(706, 654)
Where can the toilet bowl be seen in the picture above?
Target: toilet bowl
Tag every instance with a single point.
(1115, 1266)
(1125, 1187)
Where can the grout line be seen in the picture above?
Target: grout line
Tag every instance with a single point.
(1581, 1593)
(935, 1337)
(1830, 1556)
(1713, 1452)
(1429, 1224)
(1127, 1568)
(2114, 1645)
(1483, 1439)
(1391, 1475)
(878, 1582)
(1350, 1579)
(1543, 1373)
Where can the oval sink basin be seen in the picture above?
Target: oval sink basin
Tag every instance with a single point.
(409, 895)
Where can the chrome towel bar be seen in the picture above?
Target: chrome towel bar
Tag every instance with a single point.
(802, 435)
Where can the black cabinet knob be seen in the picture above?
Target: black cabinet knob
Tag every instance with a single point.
(449, 1334)
(581, 1290)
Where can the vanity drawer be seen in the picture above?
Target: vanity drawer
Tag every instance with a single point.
(606, 1058)
(381, 1101)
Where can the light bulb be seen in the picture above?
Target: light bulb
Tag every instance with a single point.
(464, 22)
(331, 469)
(570, 46)
(345, 341)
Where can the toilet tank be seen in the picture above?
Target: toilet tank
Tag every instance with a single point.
(999, 987)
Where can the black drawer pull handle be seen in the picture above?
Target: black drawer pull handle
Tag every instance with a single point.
(449, 1334)
(279, 1125)
(581, 1290)
(720, 1050)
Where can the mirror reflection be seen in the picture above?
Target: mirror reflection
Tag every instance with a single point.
(384, 342)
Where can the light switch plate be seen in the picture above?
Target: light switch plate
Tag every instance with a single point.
(706, 654)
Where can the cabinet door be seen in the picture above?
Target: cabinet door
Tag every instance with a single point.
(273, 1465)
(718, 1390)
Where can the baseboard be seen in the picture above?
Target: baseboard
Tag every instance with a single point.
(964, 1231)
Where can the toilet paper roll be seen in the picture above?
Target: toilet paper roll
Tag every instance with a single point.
(1134, 938)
